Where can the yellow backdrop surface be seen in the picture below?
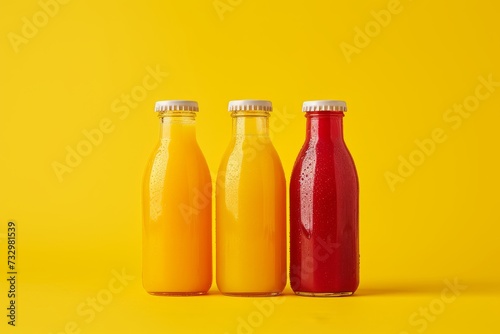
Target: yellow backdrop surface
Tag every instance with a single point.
(78, 82)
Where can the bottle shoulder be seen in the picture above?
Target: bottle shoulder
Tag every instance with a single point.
(325, 156)
(312, 148)
(250, 153)
(168, 153)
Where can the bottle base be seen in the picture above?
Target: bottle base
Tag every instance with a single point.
(251, 294)
(324, 294)
(179, 294)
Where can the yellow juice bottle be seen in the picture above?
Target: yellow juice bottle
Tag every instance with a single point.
(251, 207)
(177, 208)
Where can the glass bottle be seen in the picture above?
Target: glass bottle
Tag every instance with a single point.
(177, 208)
(251, 207)
(324, 192)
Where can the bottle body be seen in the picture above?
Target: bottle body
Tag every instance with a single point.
(177, 204)
(251, 212)
(324, 196)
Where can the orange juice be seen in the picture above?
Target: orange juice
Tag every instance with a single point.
(251, 207)
(177, 206)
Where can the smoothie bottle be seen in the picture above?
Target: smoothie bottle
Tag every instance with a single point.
(177, 205)
(324, 251)
(251, 207)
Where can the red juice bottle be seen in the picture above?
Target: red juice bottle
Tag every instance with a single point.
(324, 201)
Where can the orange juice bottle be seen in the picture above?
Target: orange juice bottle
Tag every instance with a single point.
(251, 207)
(177, 208)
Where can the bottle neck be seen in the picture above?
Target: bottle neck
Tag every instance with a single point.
(324, 125)
(250, 123)
(177, 125)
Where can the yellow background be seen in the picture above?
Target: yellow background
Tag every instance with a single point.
(440, 224)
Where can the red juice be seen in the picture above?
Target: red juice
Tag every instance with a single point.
(324, 197)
